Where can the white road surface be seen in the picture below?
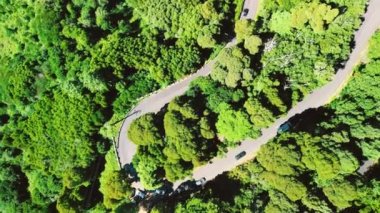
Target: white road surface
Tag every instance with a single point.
(319, 97)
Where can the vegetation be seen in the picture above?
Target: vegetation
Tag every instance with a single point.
(314, 167)
(293, 48)
(69, 70)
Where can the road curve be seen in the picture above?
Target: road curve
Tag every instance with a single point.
(317, 98)
(154, 102)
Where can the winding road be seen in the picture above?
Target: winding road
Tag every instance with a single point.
(317, 98)
(154, 102)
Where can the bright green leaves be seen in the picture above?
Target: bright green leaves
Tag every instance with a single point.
(184, 142)
(244, 32)
(342, 193)
(371, 148)
(292, 188)
(374, 47)
(229, 67)
(280, 203)
(358, 108)
(328, 163)
(206, 130)
(183, 20)
(280, 23)
(234, 125)
(176, 171)
(148, 170)
(195, 205)
(318, 15)
(113, 185)
(260, 116)
(283, 160)
(243, 29)
(143, 131)
(252, 44)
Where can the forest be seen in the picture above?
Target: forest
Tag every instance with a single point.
(291, 49)
(69, 70)
(315, 166)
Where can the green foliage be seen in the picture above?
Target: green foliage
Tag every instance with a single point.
(314, 168)
(316, 204)
(374, 45)
(358, 108)
(281, 23)
(260, 116)
(113, 184)
(327, 162)
(252, 44)
(175, 172)
(143, 131)
(234, 126)
(217, 95)
(370, 196)
(280, 203)
(283, 160)
(197, 205)
(341, 193)
(316, 14)
(147, 168)
(243, 29)
(66, 67)
(229, 67)
(183, 20)
(291, 187)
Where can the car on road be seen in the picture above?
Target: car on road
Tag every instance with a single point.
(284, 127)
(240, 155)
(200, 181)
(245, 12)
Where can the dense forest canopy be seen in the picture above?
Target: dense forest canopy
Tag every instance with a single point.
(291, 49)
(315, 166)
(71, 69)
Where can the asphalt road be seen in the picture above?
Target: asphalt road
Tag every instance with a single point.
(154, 102)
(317, 98)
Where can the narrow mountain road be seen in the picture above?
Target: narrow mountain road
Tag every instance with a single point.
(319, 97)
(153, 103)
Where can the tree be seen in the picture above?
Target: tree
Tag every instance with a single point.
(280, 203)
(260, 116)
(147, 170)
(243, 29)
(113, 184)
(176, 171)
(281, 23)
(370, 195)
(341, 193)
(198, 205)
(144, 132)
(234, 126)
(329, 163)
(374, 45)
(316, 204)
(229, 67)
(292, 188)
(371, 149)
(252, 44)
(283, 160)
